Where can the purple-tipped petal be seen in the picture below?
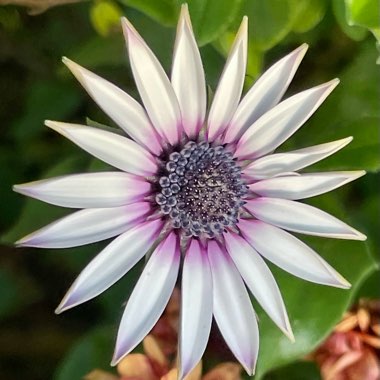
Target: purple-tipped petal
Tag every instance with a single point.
(228, 92)
(111, 264)
(196, 308)
(304, 185)
(118, 105)
(290, 254)
(154, 86)
(188, 77)
(302, 218)
(264, 94)
(116, 150)
(89, 190)
(278, 124)
(87, 226)
(149, 297)
(259, 280)
(233, 309)
(275, 164)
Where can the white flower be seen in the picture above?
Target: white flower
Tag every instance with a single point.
(202, 190)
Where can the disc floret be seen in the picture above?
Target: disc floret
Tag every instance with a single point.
(201, 189)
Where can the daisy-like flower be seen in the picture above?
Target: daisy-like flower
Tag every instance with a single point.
(198, 190)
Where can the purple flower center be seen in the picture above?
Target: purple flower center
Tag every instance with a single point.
(201, 189)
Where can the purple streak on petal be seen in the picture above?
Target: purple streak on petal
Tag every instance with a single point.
(196, 308)
(111, 264)
(149, 297)
(233, 310)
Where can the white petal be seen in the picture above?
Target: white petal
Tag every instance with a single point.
(154, 86)
(233, 309)
(196, 308)
(264, 94)
(228, 92)
(274, 164)
(87, 226)
(304, 185)
(188, 77)
(277, 125)
(259, 280)
(290, 254)
(149, 297)
(89, 190)
(116, 150)
(302, 218)
(111, 264)
(118, 105)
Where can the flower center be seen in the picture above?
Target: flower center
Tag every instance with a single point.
(201, 189)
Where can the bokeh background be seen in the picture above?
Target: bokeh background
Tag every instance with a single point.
(34, 86)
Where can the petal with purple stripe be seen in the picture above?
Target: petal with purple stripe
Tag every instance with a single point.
(154, 86)
(116, 150)
(87, 226)
(149, 297)
(188, 78)
(118, 105)
(196, 308)
(264, 94)
(228, 92)
(89, 190)
(301, 218)
(278, 124)
(233, 309)
(290, 254)
(259, 280)
(303, 185)
(275, 164)
(111, 264)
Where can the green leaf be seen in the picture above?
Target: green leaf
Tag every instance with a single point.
(362, 152)
(308, 14)
(98, 51)
(105, 16)
(270, 21)
(364, 13)
(351, 110)
(211, 18)
(313, 309)
(45, 100)
(92, 351)
(163, 11)
(296, 371)
(357, 33)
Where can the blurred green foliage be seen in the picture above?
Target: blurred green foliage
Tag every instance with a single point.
(35, 86)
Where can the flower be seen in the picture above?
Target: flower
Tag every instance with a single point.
(203, 192)
(352, 351)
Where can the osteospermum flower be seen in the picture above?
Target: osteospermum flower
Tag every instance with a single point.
(202, 191)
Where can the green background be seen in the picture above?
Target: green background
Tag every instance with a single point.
(34, 86)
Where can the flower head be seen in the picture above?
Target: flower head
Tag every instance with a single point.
(197, 189)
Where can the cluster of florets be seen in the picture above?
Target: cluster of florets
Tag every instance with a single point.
(201, 189)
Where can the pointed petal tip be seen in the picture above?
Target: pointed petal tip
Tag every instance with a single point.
(128, 29)
(17, 188)
(250, 369)
(116, 359)
(300, 52)
(243, 29)
(23, 242)
(51, 124)
(341, 282)
(289, 334)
